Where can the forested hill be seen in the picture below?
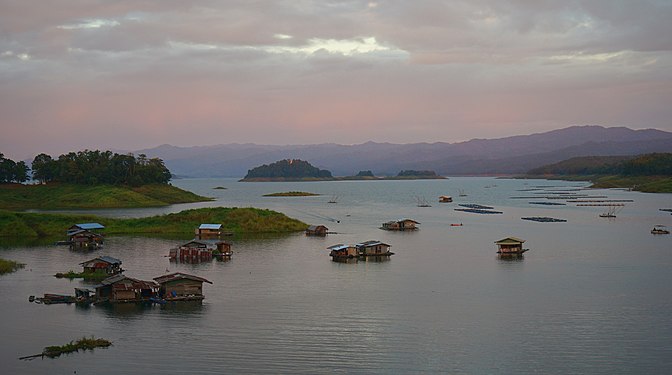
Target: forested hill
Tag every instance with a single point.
(656, 164)
(100, 167)
(287, 169)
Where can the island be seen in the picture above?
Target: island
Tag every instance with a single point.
(651, 173)
(89, 179)
(234, 220)
(295, 170)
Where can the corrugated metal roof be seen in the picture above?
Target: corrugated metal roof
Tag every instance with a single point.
(339, 246)
(371, 243)
(104, 258)
(90, 226)
(210, 226)
(179, 276)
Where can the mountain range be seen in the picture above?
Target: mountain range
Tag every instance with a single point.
(510, 155)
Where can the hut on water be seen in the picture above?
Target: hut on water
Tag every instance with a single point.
(343, 251)
(200, 250)
(104, 264)
(317, 230)
(401, 224)
(510, 246)
(373, 248)
(181, 287)
(84, 235)
(120, 288)
(445, 199)
(209, 231)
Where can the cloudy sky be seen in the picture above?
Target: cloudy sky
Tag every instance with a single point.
(126, 75)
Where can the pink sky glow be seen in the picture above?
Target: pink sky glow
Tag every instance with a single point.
(128, 75)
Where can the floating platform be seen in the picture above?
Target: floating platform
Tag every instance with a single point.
(549, 203)
(544, 219)
(476, 206)
(478, 211)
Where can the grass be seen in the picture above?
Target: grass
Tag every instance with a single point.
(291, 194)
(74, 346)
(9, 266)
(234, 220)
(69, 196)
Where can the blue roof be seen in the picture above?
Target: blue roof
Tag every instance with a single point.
(88, 226)
(210, 226)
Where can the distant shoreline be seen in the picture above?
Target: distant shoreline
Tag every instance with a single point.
(345, 178)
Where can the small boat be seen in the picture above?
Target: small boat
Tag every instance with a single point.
(611, 212)
(422, 202)
(445, 199)
(456, 225)
(659, 229)
(462, 193)
(334, 199)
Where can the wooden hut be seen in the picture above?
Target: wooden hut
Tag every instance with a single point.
(181, 287)
(84, 236)
(445, 199)
(510, 246)
(104, 264)
(373, 248)
(200, 250)
(343, 251)
(317, 230)
(120, 288)
(208, 231)
(402, 224)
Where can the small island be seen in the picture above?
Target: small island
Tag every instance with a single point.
(295, 170)
(233, 220)
(292, 194)
(9, 266)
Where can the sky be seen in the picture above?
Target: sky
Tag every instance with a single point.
(127, 75)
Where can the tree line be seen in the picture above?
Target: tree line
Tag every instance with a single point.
(11, 171)
(656, 164)
(100, 167)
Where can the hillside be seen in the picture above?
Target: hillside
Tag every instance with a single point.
(648, 173)
(287, 170)
(510, 155)
(70, 196)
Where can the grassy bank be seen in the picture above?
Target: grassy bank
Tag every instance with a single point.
(234, 220)
(9, 266)
(68, 196)
(89, 276)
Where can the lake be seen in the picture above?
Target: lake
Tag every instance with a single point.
(592, 295)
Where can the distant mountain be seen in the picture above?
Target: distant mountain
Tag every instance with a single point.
(510, 155)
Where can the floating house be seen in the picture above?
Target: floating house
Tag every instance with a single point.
(373, 248)
(341, 251)
(181, 287)
(445, 199)
(402, 224)
(83, 236)
(104, 264)
(200, 250)
(510, 246)
(120, 288)
(317, 230)
(208, 231)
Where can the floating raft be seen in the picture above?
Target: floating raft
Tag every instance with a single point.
(478, 211)
(476, 206)
(666, 209)
(549, 203)
(600, 200)
(600, 204)
(543, 219)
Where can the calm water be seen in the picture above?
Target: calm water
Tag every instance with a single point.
(593, 295)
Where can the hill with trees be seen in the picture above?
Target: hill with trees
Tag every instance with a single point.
(11, 171)
(287, 170)
(649, 172)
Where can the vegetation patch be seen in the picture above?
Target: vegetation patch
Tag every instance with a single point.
(9, 266)
(291, 194)
(84, 343)
(93, 276)
(54, 196)
(234, 220)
